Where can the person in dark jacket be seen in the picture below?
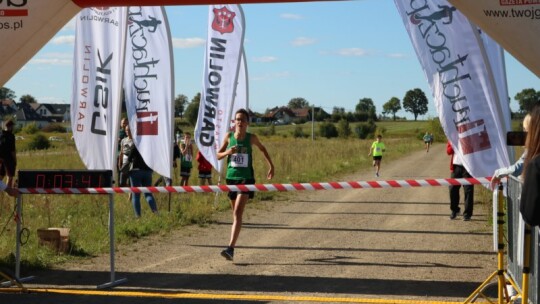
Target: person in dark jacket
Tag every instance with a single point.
(458, 170)
(8, 155)
(140, 175)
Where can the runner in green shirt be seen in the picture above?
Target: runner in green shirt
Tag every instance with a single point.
(377, 149)
(237, 148)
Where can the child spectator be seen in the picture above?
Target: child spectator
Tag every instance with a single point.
(205, 170)
(186, 159)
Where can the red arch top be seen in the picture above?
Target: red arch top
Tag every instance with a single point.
(92, 3)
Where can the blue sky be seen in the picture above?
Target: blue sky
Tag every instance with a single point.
(330, 53)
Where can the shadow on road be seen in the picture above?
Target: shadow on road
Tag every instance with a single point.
(227, 283)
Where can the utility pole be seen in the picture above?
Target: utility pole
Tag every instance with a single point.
(313, 123)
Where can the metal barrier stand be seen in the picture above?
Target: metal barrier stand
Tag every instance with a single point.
(526, 264)
(501, 273)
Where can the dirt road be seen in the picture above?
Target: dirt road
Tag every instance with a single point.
(368, 243)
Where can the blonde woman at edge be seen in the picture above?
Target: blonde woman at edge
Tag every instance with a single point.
(517, 168)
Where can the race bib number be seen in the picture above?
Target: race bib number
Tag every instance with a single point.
(188, 157)
(239, 160)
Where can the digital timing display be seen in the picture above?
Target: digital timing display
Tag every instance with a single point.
(64, 178)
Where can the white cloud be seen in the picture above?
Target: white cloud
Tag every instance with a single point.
(50, 99)
(265, 59)
(291, 16)
(397, 55)
(271, 76)
(356, 52)
(51, 61)
(67, 39)
(302, 41)
(185, 43)
(54, 59)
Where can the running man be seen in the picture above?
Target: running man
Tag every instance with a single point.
(237, 148)
(427, 141)
(377, 149)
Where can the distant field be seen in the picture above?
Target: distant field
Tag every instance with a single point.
(393, 128)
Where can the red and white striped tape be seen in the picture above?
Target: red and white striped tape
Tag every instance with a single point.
(408, 183)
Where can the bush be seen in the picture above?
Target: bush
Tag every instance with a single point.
(299, 121)
(436, 128)
(344, 128)
(269, 131)
(272, 130)
(39, 142)
(298, 132)
(364, 130)
(328, 130)
(54, 127)
(30, 129)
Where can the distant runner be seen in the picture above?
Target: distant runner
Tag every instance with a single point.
(377, 149)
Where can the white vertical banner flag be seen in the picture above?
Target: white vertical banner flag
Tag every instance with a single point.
(220, 76)
(97, 84)
(148, 85)
(241, 100)
(449, 49)
(495, 56)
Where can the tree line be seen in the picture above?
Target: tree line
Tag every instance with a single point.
(414, 101)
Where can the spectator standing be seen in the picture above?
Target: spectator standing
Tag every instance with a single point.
(205, 170)
(126, 145)
(121, 135)
(517, 168)
(8, 153)
(186, 160)
(458, 171)
(140, 175)
(530, 193)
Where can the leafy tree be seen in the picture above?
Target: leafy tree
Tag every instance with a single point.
(192, 111)
(298, 103)
(338, 113)
(27, 99)
(320, 115)
(366, 107)
(527, 99)
(6, 93)
(416, 102)
(392, 106)
(180, 104)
